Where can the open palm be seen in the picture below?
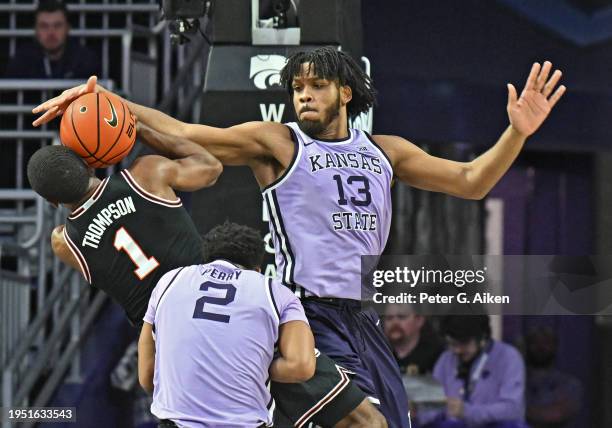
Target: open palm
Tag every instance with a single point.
(528, 112)
(58, 105)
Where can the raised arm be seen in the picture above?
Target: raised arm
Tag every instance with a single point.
(189, 166)
(297, 359)
(237, 145)
(473, 180)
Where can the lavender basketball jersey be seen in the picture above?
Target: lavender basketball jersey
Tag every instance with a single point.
(215, 328)
(332, 206)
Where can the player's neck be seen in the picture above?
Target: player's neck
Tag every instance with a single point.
(336, 130)
(405, 347)
(94, 182)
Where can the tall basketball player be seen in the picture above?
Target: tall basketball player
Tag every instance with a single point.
(327, 188)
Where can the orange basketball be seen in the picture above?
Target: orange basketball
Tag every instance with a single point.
(100, 128)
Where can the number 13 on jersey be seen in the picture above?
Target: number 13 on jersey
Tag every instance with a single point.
(145, 265)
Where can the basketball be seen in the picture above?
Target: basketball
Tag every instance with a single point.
(100, 128)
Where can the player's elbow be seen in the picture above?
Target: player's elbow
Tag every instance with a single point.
(304, 367)
(208, 170)
(476, 194)
(213, 171)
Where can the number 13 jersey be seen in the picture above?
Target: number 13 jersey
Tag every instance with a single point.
(332, 205)
(125, 239)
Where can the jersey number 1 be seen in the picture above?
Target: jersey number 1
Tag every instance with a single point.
(144, 265)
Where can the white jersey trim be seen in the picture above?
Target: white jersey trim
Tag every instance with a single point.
(295, 160)
(344, 382)
(90, 201)
(175, 280)
(384, 155)
(147, 195)
(74, 249)
(283, 239)
(275, 310)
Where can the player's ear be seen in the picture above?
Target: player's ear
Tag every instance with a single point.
(346, 94)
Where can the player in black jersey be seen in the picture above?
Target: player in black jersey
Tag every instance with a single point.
(125, 231)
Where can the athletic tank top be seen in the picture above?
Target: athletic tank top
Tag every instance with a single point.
(126, 238)
(332, 205)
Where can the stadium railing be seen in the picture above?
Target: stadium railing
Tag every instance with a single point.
(103, 20)
(36, 347)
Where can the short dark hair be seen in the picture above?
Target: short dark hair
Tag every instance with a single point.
(58, 174)
(50, 6)
(234, 242)
(463, 328)
(330, 63)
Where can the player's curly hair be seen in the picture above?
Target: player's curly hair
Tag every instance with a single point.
(330, 63)
(234, 242)
(58, 174)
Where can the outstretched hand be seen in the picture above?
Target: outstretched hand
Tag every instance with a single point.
(528, 112)
(57, 106)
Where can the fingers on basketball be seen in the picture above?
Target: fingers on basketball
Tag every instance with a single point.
(100, 128)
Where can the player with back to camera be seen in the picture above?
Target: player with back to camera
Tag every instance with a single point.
(327, 189)
(223, 345)
(126, 231)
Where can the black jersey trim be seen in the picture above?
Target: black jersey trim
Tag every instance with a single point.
(79, 256)
(169, 284)
(280, 237)
(286, 235)
(272, 299)
(297, 153)
(336, 140)
(329, 397)
(90, 201)
(380, 150)
(146, 195)
(283, 238)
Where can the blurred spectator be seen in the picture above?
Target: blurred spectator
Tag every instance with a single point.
(53, 55)
(416, 348)
(553, 397)
(484, 380)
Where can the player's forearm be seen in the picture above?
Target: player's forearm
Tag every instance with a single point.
(171, 146)
(156, 119)
(487, 169)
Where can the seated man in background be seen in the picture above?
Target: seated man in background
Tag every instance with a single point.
(415, 348)
(553, 397)
(53, 55)
(484, 379)
(215, 327)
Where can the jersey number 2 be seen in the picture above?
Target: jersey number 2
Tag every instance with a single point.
(144, 265)
(230, 295)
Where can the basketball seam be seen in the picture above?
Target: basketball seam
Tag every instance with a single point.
(120, 132)
(91, 155)
(119, 154)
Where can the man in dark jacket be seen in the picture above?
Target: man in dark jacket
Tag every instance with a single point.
(53, 55)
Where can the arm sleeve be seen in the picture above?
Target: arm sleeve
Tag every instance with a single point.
(287, 303)
(509, 405)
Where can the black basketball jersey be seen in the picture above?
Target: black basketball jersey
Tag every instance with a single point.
(126, 238)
